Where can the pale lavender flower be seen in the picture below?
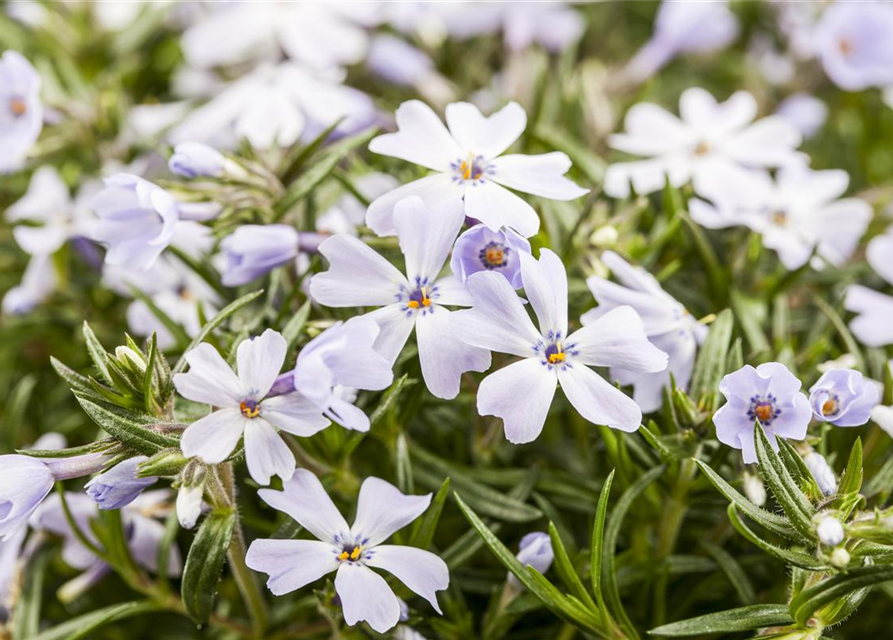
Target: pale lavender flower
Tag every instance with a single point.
(24, 483)
(243, 408)
(804, 111)
(667, 324)
(254, 250)
(360, 277)
(350, 551)
(852, 41)
(822, 472)
(38, 283)
(481, 249)
(119, 486)
(872, 325)
(769, 394)
(683, 27)
(21, 111)
(275, 106)
(194, 160)
(137, 220)
(797, 213)
(534, 550)
(843, 398)
(522, 392)
(469, 165)
(11, 561)
(708, 134)
(342, 357)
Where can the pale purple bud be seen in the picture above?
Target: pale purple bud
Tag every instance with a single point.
(254, 250)
(843, 397)
(199, 211)
(75, 466)
(194, 160)
(535, 551)
(189, 505)
(118, 486)
(481, 249)
(830, 531)
(822, 472)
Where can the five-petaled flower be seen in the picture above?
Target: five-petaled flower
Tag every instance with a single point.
(769, 393)
(668, 325)
(21, 112)
(241, 407)
(522, 392)
(843, 397)
(351, 551)
(470, 166)
(360, 277)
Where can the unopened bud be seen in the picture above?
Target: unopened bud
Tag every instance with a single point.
(830, 531)
(822, 472)
(604, 236)
(754, 489)
(189, 505)
(840, 558)
(131, 359)
(167, 462)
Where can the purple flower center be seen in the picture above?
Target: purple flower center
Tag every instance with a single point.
(249, 408)
(494, 255)
(351, 550)
(763, 409)
(419, 298)
(554, 352)
(472, 169)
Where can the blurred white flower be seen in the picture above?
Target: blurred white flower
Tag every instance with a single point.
(804, 111)
(709, 135)
(21, 111)
(872, 325)
(854, 44)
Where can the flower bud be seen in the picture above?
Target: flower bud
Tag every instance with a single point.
(605, 236)
(190, 494)
(754, 489)
(840, 558)
(24, 483)
(822, 472)
(830, 531)
(168, 462)
(131, 359)
(254, 250)
(535, 551)
(194, 159)
(119, 486)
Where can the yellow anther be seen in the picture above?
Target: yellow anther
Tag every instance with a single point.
(249, 409)
(344, 555)
(422, 301)
(829, 406)
(558, 356)
(18, 106)
(702, 148)
(355, 553)
(412, 304)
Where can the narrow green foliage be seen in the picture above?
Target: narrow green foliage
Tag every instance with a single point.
(743, 619)
(204, 564)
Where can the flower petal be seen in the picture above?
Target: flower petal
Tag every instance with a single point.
(421, 138)
(347, 415)
(872, 327)
(383, 509)
(617, 339)
(365, 596)
(541, 175)
(421, 571)
(259, 361)
(213, 437)
(599, 401)
(769, 142)
(304, 499)
(291, 564)
(498, 207)
(209, 379)
(498, 320)
(521, 395)
(396, 325)
(357, 275)
(545, 285)
(266, 454)
(294, 413)
(452, 292)
(443, 356)
(426, 235)
(434, 190)
(485, 136)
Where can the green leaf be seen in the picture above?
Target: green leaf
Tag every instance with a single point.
(215, 322)
(83, 626)
(851, 480)
(744, 619)
(711, 364)
(736, 575)
(26, 618)
(296, 158)
(125, 426)
(390, 397)
(562, 606)
(598, 540)
(70, 452)
(787, 492)
(817, 596)
(797, 468)
(565, 569)
(319, 171)
(424, 531)
(292, 330)
(609, 555)
(788, 556)
(72, 377)
(204, 564)
(775, 524)
(97, 353)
